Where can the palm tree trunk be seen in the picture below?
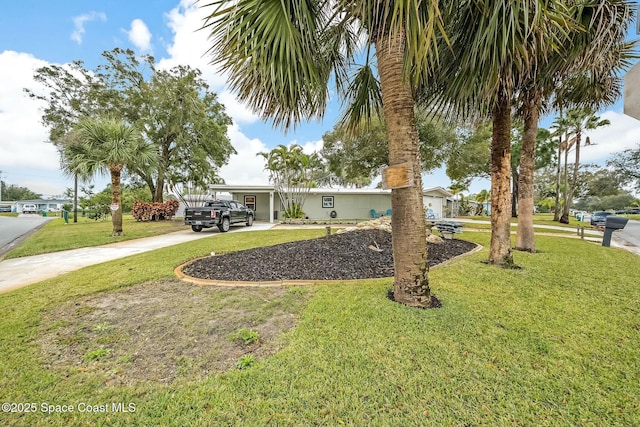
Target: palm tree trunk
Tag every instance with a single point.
(525, 240)
(500, 246)
(515, 178)
(564, 218)
(75, 198)
(116, 199)
(576, 169)
(411, 278)
(556, 214)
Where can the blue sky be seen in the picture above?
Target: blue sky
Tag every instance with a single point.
(43, 32)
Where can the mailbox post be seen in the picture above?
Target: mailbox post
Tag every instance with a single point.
(612, 223)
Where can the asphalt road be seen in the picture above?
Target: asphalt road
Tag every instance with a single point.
(630, 233)
(14, 229)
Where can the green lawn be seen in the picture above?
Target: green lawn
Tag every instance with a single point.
(556, 343)
(56, 235)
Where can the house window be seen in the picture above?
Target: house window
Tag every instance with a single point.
(327, 202)
(250, 202)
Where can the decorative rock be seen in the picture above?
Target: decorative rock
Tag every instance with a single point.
(432, 238)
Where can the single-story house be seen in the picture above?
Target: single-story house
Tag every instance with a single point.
(326, 203)
(48, 205)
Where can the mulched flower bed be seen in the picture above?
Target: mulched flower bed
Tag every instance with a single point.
(336, 257)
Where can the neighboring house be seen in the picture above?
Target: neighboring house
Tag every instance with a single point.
(53, 205)
(327, 203)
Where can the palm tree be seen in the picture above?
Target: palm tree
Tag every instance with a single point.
(578, 121)
(482, 197)
(496, 46)
(108, 145)
(590, 62)
(292, 172)
(280, 56)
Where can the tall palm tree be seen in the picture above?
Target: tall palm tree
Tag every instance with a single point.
(558, 133)
(482, 197)
(579, 120)
(108, 145)
(597, 51)
(280, 56)
(292, 172)
(496, 46)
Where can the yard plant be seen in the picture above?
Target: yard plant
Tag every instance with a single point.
(552, 343)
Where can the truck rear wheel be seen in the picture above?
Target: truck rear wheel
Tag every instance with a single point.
(249, 220)
(224, 227)
(196, 228)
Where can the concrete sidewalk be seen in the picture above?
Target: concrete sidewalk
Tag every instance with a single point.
(19, 272)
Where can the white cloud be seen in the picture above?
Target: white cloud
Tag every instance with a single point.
(140, 35)
(623, 133)
(310, 147)
(190, 47)
(246, 167)
(79, 21)
(235, 109)
(25, 159)
(189, 44)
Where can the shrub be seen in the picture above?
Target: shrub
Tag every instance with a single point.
(142, 211)
(246, 361)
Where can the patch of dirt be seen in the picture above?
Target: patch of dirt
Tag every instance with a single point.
(335, 257)
(171, 330)
(163, 331)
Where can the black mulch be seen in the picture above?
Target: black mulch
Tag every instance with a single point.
(335, 257)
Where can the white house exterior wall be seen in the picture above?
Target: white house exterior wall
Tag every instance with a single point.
(346, 206)
(321, 202)
(436, 203)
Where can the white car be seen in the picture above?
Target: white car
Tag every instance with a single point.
(29, 208)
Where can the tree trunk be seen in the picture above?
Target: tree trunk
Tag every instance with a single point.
(411, 279)
(556, 213)
(75, 198)
(158, 195)
(500, 246)
(116, 199)
(165, 155)
(576, 171)
(515, 177)
(564, 218)
(525, 240)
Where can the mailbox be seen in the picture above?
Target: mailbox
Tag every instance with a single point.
(615, 222)
(611, 224)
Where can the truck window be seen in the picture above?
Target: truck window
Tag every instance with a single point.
(216, 204)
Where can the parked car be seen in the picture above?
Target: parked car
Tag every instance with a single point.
(220, 213)
(29, 208)
(599, 218)
(634, 211)
(5, 208)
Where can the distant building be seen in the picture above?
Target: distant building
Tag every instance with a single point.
(48, 205)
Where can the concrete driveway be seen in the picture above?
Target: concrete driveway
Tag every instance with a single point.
(18, 272)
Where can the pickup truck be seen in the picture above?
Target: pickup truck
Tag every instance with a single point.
(220, 213)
